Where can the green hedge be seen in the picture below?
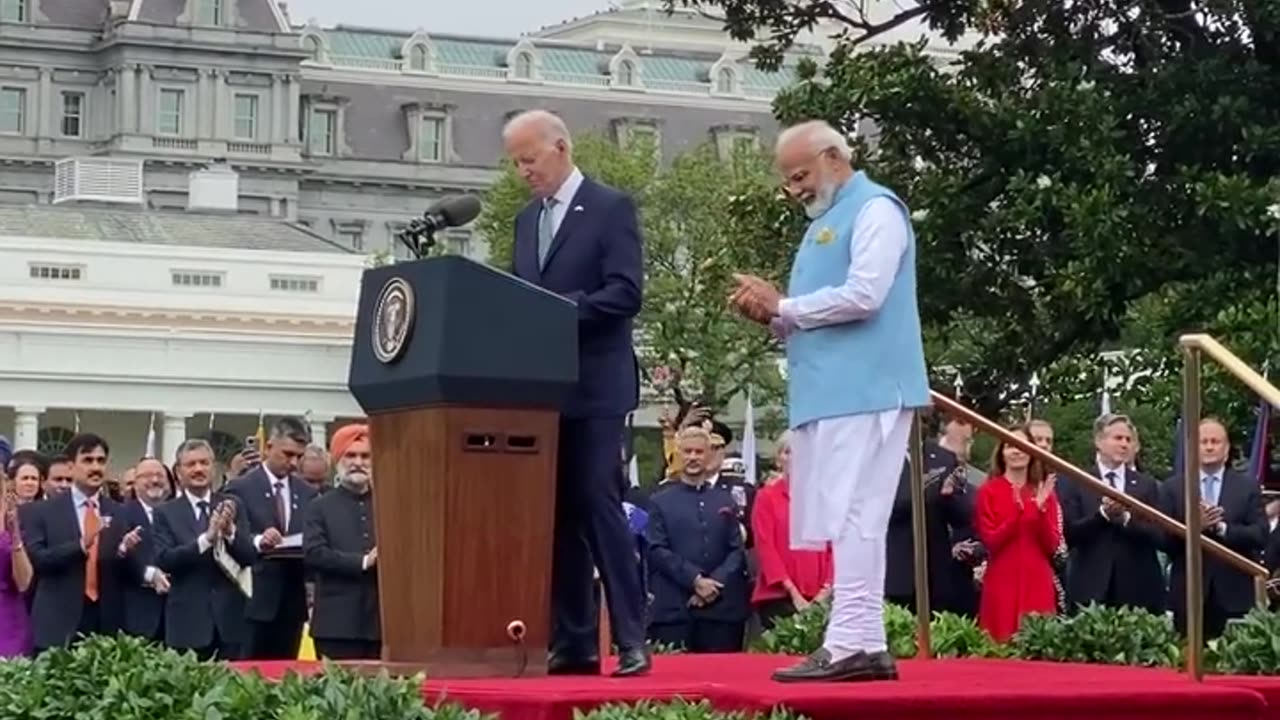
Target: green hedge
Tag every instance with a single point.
(1095, 634)
(121, 678)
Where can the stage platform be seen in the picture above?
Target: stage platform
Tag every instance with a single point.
(954, 689)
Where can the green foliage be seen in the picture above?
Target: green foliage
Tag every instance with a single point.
(1250, 646)
(678, 710)
(703, 218)
(798, 634)
(120, 678)
(954, 636)
(1097, 634)
(900, 631)
(1086, 177)
(951, 635)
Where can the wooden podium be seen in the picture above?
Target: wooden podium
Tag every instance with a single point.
(461, 369)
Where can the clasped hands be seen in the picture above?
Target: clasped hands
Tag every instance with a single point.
(755, 298)
(1211, 516)
(705, 591)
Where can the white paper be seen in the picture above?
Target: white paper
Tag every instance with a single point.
(290, 541)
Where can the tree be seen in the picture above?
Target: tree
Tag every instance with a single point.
(703, 218)
(1083, 159)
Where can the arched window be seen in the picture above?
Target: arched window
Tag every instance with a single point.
(225, 446)
(311, 44)
(53, 440)
(626, 73)
(524, 66)
(724, 81)
(418, 58)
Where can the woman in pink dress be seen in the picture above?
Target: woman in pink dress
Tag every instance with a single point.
(1019, 522)
(15, 577)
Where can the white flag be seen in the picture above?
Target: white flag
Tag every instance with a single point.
(633, 471)
(749, 442)
(151, 438)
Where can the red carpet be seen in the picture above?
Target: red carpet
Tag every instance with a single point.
(987, 689)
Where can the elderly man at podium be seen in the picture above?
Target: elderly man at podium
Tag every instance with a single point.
(581, 240)
(855, 372)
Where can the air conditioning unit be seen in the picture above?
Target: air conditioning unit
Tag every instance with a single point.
(98, 180)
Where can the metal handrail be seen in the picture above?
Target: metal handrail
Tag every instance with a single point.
(1133, 505)
(1193, 347)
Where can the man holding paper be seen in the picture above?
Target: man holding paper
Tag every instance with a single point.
(276, 502)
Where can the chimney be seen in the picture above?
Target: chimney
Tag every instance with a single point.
(216, 187)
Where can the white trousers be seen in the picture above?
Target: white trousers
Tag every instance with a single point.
(844, 476)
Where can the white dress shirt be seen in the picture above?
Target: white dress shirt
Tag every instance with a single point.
(1117, 481)
(202, 541)
(285, 500)
(564, 197)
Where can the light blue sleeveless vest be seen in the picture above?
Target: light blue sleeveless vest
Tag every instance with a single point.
(864, 366)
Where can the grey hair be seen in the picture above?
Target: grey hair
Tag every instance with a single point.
(1101, 425)
(291, 428)
(552, 127)
(820, 137)
(314, 452)
(192, 445)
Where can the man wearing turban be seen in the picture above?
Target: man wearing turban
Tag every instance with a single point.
(340, 550)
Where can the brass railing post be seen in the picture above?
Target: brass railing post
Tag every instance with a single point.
(919, 535)
(1191, 492)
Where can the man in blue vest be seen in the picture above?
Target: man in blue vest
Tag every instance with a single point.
(855, 374)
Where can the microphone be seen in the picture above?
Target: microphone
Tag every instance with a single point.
(452, 211)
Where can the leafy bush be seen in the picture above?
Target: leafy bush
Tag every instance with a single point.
(120, 678)
(677, 710)
(799, 634)
(954, 636)
(1098, 634)
(900, 631)
(951, 635)
(1250, 646)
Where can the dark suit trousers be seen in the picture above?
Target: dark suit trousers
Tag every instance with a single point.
(90, 624)
(221, 650)
(1215, 617)
(279, 639)
(591, 531)
(700, 636)
(348, 649)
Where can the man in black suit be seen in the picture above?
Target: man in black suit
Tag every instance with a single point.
(1112, 555)
(143, 584)
(581, 240)
(1231, 511)
(948, 505)
(341, 553)
(204, 608)
(275, 502)
(72, 551)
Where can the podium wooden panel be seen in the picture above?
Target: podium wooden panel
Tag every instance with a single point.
(464, 512)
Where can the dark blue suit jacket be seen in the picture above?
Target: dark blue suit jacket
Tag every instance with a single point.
(143, 607)
(595, 260)
(694, 532)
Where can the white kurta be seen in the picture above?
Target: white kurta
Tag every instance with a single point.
(844, 470)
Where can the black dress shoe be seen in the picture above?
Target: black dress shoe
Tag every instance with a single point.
(858, 667)
(633, 662)
(558, 664)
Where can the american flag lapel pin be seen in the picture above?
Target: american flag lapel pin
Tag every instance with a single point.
(578, 208)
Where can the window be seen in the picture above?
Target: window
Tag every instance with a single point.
(170, 120)
(524, 66)
(13, 110)
(743, 144)
(212, 12)
(72, 114)
(246, 121)
(458, 242)
(645, 134)
(295, 283)
(13, 10)
(431, 139)
(353, 238)
(626, 73)
(418, 58)
(196, 279)
(322, 130)
(311, 44)
(724, 81)
(43, 271)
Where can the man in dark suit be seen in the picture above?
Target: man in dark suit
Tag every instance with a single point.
(205, 608)
(581, 239)
(1112, 555)
(275, 502)
(948, 505)
(143, 584)
(697, 564)
(73, 554)
(1231, 510)
(341, 553)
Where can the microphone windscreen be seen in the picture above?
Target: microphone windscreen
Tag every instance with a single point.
(459, 210)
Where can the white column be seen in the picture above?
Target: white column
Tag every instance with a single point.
(147, 103)
(26, 428)
(127, 95)
(45, 105)
(319, 430)
(174, 434)
(293, 121)
(205, 105)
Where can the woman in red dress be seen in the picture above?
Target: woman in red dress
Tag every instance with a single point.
(1018, 522)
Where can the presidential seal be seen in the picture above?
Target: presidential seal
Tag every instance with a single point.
(392, 320)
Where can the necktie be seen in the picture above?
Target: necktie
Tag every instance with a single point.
(545, 232)
(281, 523)
(91, 525)
(1209, 489)
(202, 515)
(1113, 480)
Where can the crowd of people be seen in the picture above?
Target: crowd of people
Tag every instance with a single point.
(226, 565)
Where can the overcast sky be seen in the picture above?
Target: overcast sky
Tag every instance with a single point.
(501, 18)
